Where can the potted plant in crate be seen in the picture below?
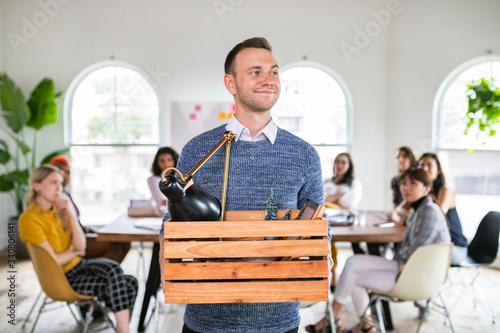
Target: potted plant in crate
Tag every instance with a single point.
(483, 112)
(20, 159)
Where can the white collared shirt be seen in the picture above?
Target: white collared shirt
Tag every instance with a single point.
(242, 133)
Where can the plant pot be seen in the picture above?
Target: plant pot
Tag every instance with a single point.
(21, 252)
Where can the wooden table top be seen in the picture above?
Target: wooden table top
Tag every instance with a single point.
(369, 232)
(125, 229)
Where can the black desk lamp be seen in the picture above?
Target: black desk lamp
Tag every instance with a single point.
(192, 203)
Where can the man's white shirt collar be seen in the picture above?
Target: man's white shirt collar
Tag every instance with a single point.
(242, 133)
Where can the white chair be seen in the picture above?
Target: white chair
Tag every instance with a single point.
(424, 273)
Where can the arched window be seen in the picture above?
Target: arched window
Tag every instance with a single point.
(472, 168)
(112, 127)
(316, 105)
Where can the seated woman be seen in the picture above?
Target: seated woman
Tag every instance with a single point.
(116, 251)
(50, 223)
(165, 157)
(342, 190)
(406, 159)
(445, 198)
(427, 225)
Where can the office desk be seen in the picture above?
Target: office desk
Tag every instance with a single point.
(123, 229)
(368, 232)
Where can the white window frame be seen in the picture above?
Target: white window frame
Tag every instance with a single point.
(441, 92)
(68, 100)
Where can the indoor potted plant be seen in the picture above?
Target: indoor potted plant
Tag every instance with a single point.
(19, 160)
(483, 112)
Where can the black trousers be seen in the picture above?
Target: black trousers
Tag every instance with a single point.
(186, 329)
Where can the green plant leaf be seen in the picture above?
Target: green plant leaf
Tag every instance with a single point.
(4, 152)
(271, 210)
(15, 109)
(9, 180)
(42, 105)
(47, 158)
(287, 216)
(300, 212)
(6, 185)
(483, 111)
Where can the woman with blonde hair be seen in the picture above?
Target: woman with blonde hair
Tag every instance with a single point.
(49, 222)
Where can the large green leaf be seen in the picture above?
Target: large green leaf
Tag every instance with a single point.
(42, 105)
(15, 109)
(21, 145)
(9, 180)
(6, 185)
(4, 152)
(47, 158)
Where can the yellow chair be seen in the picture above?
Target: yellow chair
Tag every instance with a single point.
(57, 288)
(422, 277)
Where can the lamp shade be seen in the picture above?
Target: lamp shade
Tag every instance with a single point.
(192, 204)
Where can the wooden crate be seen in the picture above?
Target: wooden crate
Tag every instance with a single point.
(230, 262)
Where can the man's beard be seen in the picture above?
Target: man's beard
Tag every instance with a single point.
(253, 104)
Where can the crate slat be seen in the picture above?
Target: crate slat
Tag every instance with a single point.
(245, 270)
(244, 228)
(246, 249)
(246, 292)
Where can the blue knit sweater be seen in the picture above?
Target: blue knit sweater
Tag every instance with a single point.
(291, 167)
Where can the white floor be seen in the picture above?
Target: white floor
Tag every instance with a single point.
(465, 317)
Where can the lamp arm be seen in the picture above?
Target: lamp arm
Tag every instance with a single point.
(226, 139)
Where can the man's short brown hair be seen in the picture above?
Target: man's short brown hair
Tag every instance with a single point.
(255, 42)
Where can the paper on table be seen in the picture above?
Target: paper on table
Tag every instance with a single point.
(385, 224)
(151, 224)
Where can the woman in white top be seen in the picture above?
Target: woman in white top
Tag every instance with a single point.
(343, 189)
(165, 157)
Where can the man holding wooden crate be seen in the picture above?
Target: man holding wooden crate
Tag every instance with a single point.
(263, 157)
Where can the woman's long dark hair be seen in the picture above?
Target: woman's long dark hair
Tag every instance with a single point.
(155, 169)
(411, 155)
(349, 175)
(438, 164)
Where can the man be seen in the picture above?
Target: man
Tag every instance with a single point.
(263, 157)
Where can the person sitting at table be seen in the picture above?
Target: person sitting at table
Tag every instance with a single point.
(426, 225)
(49, 222)
(342, 191)
(165, 157)
(116, 251)
(406, 159)
(445, 198)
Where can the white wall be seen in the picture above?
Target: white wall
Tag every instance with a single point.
(393, 76)
(5, 210)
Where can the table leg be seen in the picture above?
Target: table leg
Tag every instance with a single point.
(152, 284)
